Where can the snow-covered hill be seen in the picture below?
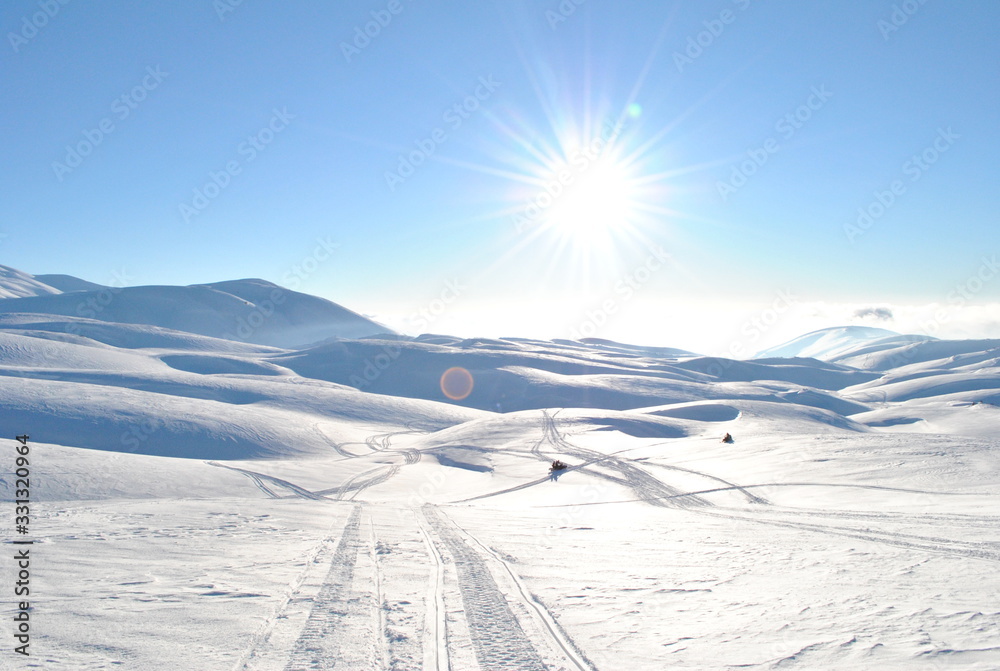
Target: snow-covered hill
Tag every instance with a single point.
(251, 310)
(68, 283)
(17, 284)
(833, 344)
(267, 502)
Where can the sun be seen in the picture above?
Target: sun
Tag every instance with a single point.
(580, 192)
(596, 205)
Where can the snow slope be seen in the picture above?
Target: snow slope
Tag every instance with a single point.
(68, 283)
(17, 284)
(834, 344)
(252, 311)
(211, 503)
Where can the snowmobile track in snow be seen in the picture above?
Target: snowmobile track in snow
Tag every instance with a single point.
(499, 641)
(965, 549)
(556, 632)
(258, 479)
(436, 619)
(362, 481)
(648, 487)
(318, 646)
(259, 641)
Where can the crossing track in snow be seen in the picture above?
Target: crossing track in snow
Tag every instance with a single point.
(350, 489)
(258, 479)
(337, 447)
(645, 485)
(375, 476)
(624, 472)
(750, 496)
(376, 442)
(360, 482)
(991, 522)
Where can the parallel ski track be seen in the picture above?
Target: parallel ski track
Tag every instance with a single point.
(966, 549)
(573, 654)
(370, 478)
(301, 492)
(379, 596)
(435, 638)
(264, 632)
(750, 496)
(499, 641)
(318, 646)
(337, 447)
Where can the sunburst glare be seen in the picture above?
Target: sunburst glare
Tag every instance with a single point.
(596, 207)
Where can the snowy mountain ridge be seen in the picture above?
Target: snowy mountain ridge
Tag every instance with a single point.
(250, 310)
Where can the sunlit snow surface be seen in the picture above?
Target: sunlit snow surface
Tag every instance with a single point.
(206, 504)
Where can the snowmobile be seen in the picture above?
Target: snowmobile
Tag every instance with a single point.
(558, 466)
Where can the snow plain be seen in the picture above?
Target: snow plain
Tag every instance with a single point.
(210, 503)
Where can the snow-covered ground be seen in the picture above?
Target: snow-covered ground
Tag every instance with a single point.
(208, 503)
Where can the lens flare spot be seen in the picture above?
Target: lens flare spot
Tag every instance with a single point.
(456, 383)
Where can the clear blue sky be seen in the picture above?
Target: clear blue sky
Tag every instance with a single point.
(311, 117)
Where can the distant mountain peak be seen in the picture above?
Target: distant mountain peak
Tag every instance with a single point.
(827, 343)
